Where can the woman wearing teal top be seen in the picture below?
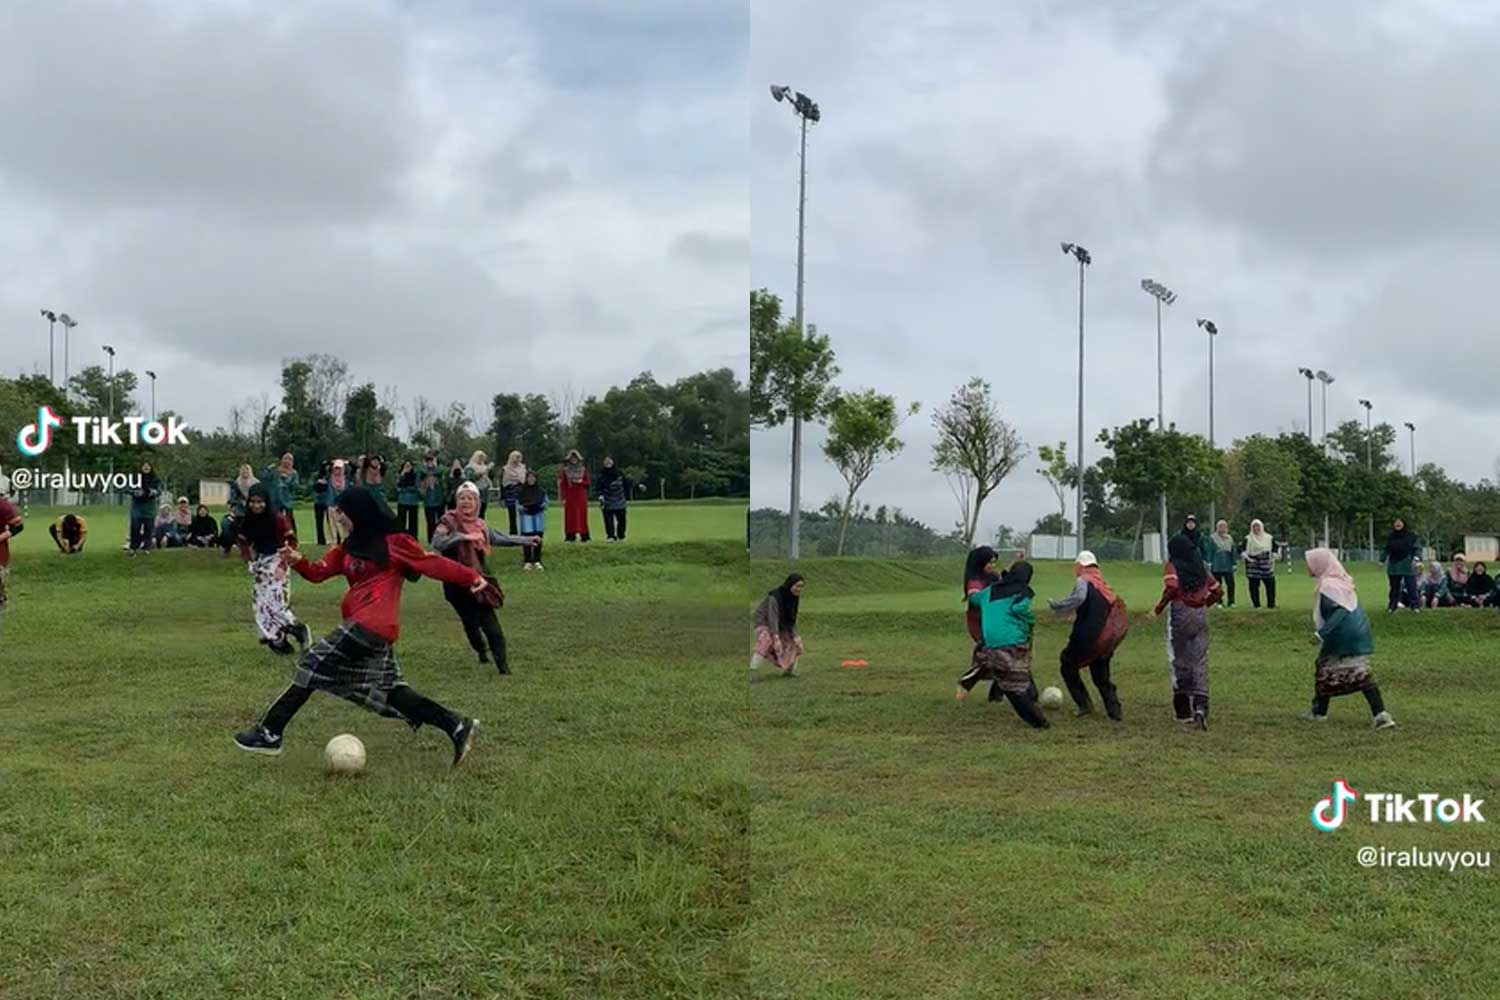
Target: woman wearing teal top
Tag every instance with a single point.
(281, 483)
(430, 480)
(407, 499)
(1006, 623)
(1342, 631)
(1400, 548)
(1222, 559)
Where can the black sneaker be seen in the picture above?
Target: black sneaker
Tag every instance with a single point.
(483, 656)
(463, 740)
(258, 740)
(502, 666)
(1200, 721)
(301, 635)
(1113, 710)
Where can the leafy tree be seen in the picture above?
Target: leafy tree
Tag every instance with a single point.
(975, 450)
(790, 374)
(1053, 524)
(1143, 463)
(1059, 473)
(861, 433)
(528, 424)
(1261, 480)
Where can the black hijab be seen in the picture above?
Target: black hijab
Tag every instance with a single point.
(1399, 544)
(72, 528)
(1188, 561)
(974, 567)
(531, 496)
(260, 529)
(787, 601)
(372, 523)
(1014, 582)
(1191, 533)
(609, 473)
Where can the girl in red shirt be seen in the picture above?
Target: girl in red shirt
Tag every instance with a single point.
(357, 661)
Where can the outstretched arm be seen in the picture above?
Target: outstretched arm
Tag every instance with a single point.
(499, 538)
(410, 554)
(331, 565)
(1076, 598)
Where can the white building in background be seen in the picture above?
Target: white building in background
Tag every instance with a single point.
(1480, 547)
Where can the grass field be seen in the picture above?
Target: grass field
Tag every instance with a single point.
(909, 846)
(595, 844)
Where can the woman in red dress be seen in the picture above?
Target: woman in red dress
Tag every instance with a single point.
(573, 485)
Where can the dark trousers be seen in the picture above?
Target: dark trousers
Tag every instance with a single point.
(1403, 590)
(1371, 693)
(532, 553)
(1072, 677)
(614, 524)
(1025, 706)
(1226, 580)
(481, 626)
(320, 521)
(434, 514)
(402, 698)
(140, 531)
(1184, 706)
(512, 513)
(406, 518)
(484, 505)
(1270, 585)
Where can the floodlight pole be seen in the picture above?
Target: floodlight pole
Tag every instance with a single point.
(1413, 428)
(68, 323)
(51, 318)
(1369, 464)
(1213, 332)
(1161, 294)
(1084, 259)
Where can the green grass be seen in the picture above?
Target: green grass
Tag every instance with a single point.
(909, 846)
(595, 844)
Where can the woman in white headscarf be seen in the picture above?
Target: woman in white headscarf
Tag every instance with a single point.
(1260, 564)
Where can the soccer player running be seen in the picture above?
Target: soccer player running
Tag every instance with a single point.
(1100, 622)
(1343, 634)
(1007, 623)
(357, 661)
(1189, 589)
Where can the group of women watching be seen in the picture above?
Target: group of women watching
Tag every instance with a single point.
(1221, 553)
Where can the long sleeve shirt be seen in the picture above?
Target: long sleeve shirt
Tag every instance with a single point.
(461, 549)
(1205, 596)
(374, 597)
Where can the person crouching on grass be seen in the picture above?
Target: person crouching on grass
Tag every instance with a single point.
(776, 638)
(1099, 626)
(357, 660)
(1007, 623)
(979, 574)
(465, 538)
(261, 533)
(1190, 590)
(70, 532)
(1342, 629)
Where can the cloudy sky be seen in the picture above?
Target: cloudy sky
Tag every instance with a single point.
(1324, 183)
(457, 198)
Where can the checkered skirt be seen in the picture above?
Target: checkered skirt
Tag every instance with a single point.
(355, 664)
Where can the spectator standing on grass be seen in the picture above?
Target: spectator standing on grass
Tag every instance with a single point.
(338, 482)
(1223, 557)
(281, 482)
(11, 525)
(1006, 625)
(1189, 590)
(408, 498)
(979, 574)
(1260, 564)
(431, 483)
(142, 505)
(239, 492)
(203, 530)
(776, 638)
(532, 503)
(455, 480)
(1398, 555)
(573, 487)
(1342, 630)
(1100, 621)
(70, 532)
(478, 473)
(614, 488)
(512, 478)
(1200, 542)
(322, 500)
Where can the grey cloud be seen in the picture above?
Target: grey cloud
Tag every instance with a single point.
(711, 251)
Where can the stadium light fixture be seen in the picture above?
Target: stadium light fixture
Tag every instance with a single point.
(1163, 296)
(1084, 260)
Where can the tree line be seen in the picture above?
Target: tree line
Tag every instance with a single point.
(684, 439)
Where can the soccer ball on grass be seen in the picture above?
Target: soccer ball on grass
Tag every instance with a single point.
(344, 754)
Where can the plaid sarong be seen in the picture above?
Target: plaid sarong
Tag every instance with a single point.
(1009, 666)
(4, 586)
(355, 664)
(1338, 675)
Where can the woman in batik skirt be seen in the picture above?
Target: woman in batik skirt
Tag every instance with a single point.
(1005, 650)
(262, 532)
(1189, 589)
(1100, 622)
(357, 661)
(979, 573)
(1342, 630)
(776, 639)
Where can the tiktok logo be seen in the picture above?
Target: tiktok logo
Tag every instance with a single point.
(1328, 814)
(33, 439)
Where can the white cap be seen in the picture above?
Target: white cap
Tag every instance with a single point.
(1086, 558)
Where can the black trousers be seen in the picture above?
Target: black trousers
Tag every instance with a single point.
(402, 698)
(434, 514)
(406, 518)
(1371, 693)
(140, 532)
(1226, 580)
(1099, 669)
(512, 513)
(532, 553)
(1255, 585)
(1403, 589)
(481, 625)
(320, 521)
(614, 524)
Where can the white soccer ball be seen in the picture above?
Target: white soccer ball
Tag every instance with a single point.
(1051, 697)
(344, 754)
